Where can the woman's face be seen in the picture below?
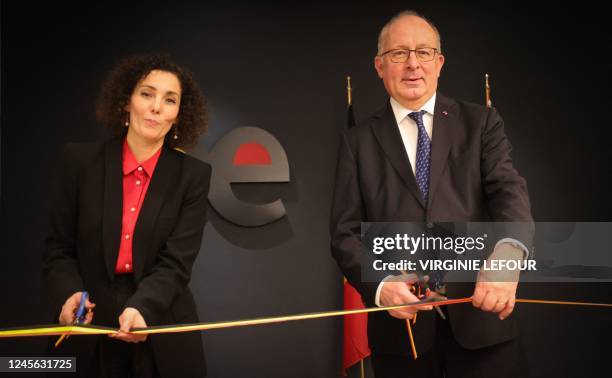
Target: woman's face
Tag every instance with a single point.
(154, 107)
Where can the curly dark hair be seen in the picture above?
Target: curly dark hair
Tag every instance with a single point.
(121, 81)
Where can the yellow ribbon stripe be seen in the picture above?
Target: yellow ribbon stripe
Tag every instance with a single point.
(52, 330)
(56, 330)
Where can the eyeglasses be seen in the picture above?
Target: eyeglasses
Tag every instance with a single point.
(423, 54)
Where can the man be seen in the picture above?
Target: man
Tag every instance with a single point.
(426, 158)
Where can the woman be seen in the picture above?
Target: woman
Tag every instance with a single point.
(127, 218)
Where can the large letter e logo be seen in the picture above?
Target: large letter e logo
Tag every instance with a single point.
(247, 155)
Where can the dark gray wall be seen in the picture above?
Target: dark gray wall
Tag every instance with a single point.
(282, 68)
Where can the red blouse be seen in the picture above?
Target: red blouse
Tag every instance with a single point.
(136, 179)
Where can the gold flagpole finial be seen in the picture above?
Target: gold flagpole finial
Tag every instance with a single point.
(349, 90)
(487, 91)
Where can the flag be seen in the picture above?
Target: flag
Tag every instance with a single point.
(355, 330)
(355, 326)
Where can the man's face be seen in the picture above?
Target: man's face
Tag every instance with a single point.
(413, 82)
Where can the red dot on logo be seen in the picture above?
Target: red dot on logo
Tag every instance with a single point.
(252, 153)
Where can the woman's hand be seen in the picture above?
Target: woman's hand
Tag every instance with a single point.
(130, 318)
(68, 313)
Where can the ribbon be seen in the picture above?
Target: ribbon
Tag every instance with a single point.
(56, 329)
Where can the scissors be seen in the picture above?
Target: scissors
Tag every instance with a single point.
(79, 316)
(421, 289)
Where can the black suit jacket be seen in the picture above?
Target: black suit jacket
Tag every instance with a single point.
(471, 179)
(83, 244)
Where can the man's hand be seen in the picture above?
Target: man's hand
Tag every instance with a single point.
(495, 291)
(395, 293)
(130, 318)
(496, 297)
(69, 309)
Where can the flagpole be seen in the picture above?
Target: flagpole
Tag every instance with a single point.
(362, 368)
(349, 91)
(487, 91)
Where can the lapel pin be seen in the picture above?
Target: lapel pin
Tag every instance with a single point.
(444, 112)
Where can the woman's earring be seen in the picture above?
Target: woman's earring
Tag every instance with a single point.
(175, 135)
(127, 123)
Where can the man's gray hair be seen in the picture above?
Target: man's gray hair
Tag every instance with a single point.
(385, 29)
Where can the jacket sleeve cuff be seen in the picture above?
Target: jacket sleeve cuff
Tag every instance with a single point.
(516, 244)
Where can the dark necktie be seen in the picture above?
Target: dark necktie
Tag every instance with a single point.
(423, 154)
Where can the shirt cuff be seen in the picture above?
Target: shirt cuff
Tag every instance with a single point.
(515, 243)
(379, 288)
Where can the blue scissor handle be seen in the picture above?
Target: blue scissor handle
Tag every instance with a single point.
(80, 314)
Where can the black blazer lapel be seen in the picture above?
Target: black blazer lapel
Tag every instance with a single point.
(166, 173)
(387, 133)
(444, 127)
(113, 203)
